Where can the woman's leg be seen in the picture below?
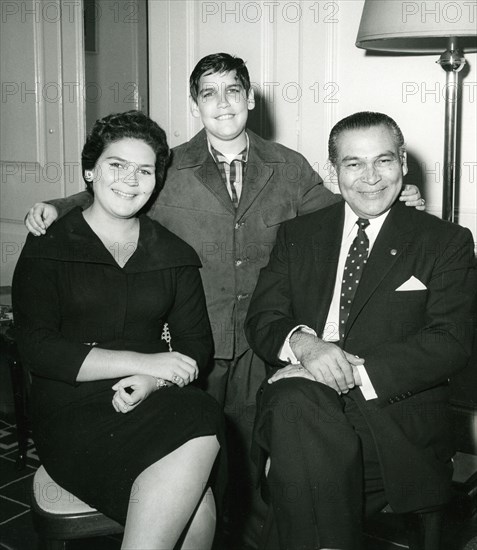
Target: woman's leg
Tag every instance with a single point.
(200, 534)
(166, 495)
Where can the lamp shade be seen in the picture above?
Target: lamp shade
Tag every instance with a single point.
(417, 26)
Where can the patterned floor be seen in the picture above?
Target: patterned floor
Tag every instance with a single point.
(16, 528)
(17, 533)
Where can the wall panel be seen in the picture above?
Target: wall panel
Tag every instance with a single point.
(42, 113)
(314, 52)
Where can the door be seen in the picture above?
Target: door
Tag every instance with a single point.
(41, 113)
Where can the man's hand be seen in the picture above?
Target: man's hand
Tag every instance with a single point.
(412, 197)
(39, 218)
(291, 371)
(326, 362)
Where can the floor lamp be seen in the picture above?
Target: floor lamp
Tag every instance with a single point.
(427, 27)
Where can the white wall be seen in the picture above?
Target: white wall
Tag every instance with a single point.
(308, 47)
(116, 73)
(411, 89)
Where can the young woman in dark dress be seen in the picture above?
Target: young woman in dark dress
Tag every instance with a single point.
(116, 420)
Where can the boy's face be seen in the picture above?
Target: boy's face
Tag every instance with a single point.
(223, 106)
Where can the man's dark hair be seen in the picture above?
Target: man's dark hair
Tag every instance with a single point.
(131, 124)
(361, 120)
(218, 63)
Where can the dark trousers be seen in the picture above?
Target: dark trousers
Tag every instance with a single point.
(234, 384)
(324, 474)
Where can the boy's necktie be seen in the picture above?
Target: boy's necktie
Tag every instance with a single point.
(355, 262)
(233, 180)
(231, 173)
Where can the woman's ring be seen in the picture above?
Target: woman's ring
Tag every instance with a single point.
(423, 202)
(176, 378)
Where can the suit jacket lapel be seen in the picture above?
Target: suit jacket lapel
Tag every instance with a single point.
(256, 176)
(197, 157)
(387, 250)
(210, 176)
(262, 161)
(326, 248)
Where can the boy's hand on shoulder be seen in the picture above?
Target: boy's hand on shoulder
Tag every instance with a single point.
(411, 196)
(40, 216)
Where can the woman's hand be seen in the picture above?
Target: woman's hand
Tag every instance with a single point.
(141, 385)
(173, 367)
(412, 197)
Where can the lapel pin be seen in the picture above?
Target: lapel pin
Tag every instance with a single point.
(393, 252)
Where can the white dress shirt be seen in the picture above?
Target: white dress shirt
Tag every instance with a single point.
(331, 330)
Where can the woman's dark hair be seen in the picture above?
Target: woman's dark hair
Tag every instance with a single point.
(218, 63)
(359, 121)
(132, 124)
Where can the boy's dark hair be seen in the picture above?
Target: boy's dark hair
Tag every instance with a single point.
(131, 124)
(218, 63)
(357, 121)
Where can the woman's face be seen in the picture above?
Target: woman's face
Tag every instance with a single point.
(124, 177)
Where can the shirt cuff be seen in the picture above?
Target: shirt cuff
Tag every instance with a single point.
(286, 353)
(366, 387)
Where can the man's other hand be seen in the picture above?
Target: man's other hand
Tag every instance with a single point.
(291, 371)
(326, 362)
(39, 218)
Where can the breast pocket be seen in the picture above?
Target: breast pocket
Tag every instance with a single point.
(407, 296)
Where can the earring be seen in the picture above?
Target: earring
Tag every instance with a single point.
(88, 175)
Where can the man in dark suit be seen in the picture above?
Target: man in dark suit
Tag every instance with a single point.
(367, 308)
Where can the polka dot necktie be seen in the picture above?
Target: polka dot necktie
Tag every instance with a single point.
(355, 262)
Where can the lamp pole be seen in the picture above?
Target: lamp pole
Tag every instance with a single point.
(452, 61)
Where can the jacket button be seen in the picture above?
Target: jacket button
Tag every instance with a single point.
(238, 262)
(238, 225)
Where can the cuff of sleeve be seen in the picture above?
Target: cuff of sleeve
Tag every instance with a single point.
(286, 353)
(366, 387)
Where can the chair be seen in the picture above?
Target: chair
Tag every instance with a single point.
(59, 516)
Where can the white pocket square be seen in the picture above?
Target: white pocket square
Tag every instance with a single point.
(412, 284)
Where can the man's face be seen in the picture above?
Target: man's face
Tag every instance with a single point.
(370, 170)
(223, 106)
